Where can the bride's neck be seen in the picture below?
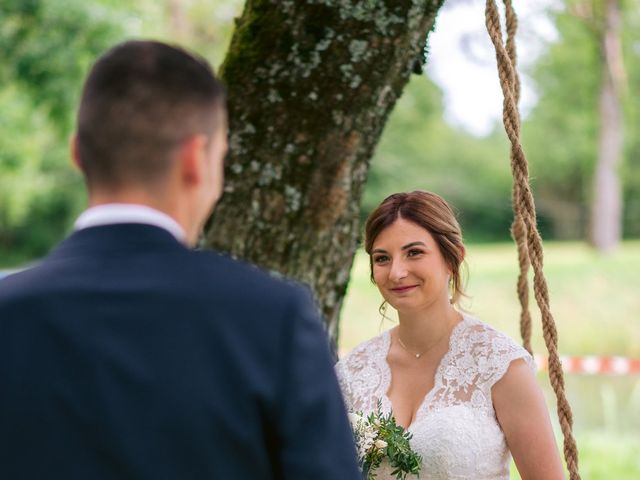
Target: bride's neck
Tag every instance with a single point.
(421, 330)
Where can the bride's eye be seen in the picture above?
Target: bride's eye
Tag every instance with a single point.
(380, 259)
(414, 252)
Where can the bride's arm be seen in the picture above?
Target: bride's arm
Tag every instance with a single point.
(523, 416)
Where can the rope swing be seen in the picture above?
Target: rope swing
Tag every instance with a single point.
(524, 228)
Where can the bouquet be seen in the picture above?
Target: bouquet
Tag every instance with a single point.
(378, 436)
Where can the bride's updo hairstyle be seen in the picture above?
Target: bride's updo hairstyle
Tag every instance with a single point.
(431, 212)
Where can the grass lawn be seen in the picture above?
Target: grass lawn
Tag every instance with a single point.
(595, 301)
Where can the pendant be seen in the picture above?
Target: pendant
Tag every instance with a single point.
(417, 355)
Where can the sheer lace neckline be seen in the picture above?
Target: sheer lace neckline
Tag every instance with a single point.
(437, 379)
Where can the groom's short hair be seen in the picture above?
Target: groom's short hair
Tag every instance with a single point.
(141, 100)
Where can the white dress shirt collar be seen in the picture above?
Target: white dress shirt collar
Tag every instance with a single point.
(113, 213)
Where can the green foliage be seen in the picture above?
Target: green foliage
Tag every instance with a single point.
(561, 135)
(402, 458)
(38, 189)
(47, 47)
(418, 150)
(630, 170)
(206, 25)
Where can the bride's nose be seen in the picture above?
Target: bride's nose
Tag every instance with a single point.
(398, 271)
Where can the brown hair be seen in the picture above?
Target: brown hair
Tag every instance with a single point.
(431, 212)
(141, 100)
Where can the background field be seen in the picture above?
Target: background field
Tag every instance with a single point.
(595, 300)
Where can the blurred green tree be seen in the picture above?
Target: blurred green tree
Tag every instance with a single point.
(630, 169)
(606, 203)
(46, 47)
(562, 134)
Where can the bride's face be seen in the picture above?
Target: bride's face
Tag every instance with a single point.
(409, 268)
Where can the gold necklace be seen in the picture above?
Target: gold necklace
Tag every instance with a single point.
(418, 355)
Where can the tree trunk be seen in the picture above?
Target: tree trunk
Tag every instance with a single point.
(311, 84)
(606, 216)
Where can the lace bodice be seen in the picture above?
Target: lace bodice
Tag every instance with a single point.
(455, 429)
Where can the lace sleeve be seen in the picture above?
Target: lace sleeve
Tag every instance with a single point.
(362, 375)
(499, 351)
(345, 385)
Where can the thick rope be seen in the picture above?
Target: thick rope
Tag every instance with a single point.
(524, 228)
(518, 226)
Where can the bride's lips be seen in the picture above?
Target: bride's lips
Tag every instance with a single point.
(403, 289)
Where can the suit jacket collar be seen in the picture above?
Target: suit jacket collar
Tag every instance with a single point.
(116, 239)
(114, 213)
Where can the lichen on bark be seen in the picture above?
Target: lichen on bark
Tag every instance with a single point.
(311, 84)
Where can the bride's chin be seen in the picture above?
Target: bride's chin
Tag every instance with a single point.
(400, 307)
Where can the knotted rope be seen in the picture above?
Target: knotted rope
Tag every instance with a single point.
(524, 228)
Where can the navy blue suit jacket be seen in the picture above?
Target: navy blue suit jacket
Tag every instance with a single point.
(125, 355)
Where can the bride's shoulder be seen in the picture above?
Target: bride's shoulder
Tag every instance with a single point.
(476, 331)
(491, 346)
(364, 351)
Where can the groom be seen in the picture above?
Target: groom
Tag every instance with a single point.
(126, 355)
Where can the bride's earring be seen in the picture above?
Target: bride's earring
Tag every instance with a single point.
(382, 309)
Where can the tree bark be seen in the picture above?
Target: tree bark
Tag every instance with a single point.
(311, 84)
(606, 215)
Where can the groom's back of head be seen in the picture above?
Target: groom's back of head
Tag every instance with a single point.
(141, 100)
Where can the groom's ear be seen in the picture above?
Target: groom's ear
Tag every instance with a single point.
(75, 153)
(191, 159)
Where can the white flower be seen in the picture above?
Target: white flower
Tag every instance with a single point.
(381, 444)
(355, 419)
(364, 433)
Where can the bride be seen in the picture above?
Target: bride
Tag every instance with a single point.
(466, 392)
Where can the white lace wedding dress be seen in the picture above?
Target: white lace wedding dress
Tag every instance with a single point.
(455, 428)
